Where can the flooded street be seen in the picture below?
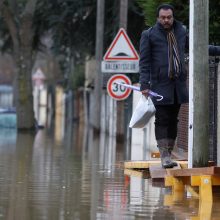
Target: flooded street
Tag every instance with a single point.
(75, 175)
(81, 83)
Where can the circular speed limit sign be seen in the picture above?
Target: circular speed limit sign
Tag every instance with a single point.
(116, 91)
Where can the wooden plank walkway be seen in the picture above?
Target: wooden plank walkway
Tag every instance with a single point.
(145, 164)
(137, 173)
(178, 177)
(156, 171)
(194, 171)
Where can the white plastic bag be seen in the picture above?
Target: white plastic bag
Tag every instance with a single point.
(143, 112)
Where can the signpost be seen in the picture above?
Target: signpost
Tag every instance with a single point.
(117, 91)
(120, 66)
(121, 55)
(39, 78)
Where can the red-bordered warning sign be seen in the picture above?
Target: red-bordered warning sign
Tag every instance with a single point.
(116, 91)
(121, 49)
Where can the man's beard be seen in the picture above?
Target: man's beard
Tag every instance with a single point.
(167, 26)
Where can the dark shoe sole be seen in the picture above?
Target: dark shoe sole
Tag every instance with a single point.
(174, 163)
(167, 166)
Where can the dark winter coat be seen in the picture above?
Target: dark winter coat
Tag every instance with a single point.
(154, 63)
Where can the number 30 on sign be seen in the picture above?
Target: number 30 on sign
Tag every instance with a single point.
(118, 92)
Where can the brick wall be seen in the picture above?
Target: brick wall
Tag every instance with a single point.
(182, 140)
(213, 69)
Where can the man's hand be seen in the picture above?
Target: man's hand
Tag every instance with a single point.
(145, 92)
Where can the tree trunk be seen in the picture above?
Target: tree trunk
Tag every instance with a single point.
(21, 33)
(24, 97)
(24, 103)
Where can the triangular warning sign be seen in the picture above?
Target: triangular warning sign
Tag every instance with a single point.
(121, 48)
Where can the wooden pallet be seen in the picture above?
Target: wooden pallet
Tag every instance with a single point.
(137, 173)
(157, 172)
(179, 177)
(145, 164)
(204, 178)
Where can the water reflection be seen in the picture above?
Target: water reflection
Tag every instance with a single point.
(79, 177)
(8, 138)
(191, 207)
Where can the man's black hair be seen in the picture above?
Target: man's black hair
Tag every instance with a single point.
(166, 7)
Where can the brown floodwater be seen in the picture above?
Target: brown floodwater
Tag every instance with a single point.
(74, 175)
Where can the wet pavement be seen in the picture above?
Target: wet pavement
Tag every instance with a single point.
(57, 175)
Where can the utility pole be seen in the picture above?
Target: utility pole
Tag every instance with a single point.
(96, 105)
(123, 14)
(120, 104)
(124, 108)
(218, 116)
(198, 84)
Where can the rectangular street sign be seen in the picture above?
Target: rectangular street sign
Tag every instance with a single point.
(120, 66)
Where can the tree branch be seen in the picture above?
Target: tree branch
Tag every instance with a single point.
(13, 6)
(26, 33)
(30, 7)
(9, 20)
(1, 2)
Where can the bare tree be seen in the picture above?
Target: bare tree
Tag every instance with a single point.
(20, 26)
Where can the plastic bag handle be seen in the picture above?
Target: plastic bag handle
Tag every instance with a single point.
(160, 97)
